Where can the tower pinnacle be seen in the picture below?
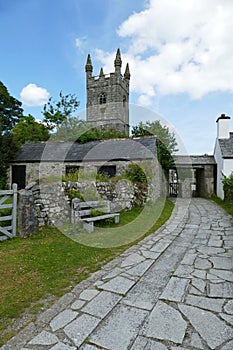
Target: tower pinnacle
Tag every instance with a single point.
(127, 72)
(89, 67)
(101, 72)
(118, 61)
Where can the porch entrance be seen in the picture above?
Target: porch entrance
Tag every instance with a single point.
(194, 176)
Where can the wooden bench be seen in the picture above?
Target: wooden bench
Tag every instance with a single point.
(88, 223)
(81, 213)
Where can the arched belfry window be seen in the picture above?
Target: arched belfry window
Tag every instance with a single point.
(102, 98)
(124, 101)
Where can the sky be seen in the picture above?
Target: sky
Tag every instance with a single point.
(180, 55)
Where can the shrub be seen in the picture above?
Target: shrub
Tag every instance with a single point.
(135, 174)
(102, 177)
(71, 176)
(75, 194)
(228, 187)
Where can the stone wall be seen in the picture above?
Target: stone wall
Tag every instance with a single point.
(42, 205)
(49, 204)
(27, 216)
(122, 194)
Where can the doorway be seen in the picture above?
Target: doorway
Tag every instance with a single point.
(19, 176)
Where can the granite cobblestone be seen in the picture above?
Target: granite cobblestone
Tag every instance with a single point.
(171, 291)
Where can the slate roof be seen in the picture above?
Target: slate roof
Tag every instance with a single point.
(204, 159)
(129, 149)
(226, 146)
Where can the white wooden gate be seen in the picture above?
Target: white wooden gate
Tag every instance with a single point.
(8, 231)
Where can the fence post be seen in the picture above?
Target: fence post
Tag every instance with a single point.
(14, 210)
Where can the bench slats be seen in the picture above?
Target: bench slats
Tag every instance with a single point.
(82, 212)
(101, 217)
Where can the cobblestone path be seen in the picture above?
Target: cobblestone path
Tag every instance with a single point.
(172, 291)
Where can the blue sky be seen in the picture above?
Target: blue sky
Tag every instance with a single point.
(179, 52)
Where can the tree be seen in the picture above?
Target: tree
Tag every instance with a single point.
(70, 130)
(104, 133)
(165, 141)
(75, 129)
(56, 112)
(8, 149)
(30, 130)
(10, 113)
(10, 110)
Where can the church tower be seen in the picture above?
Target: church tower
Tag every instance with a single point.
(108, 96)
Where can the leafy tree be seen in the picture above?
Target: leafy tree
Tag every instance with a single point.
(112, 133)
(94, 134)
(30, 130)
(56, 112)
(10, 113)
(74, 129)
(70, 130)
(10, 110)
(166, 141)
(8, 149)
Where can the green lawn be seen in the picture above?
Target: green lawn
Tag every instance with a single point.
(50, 264)
(133, 225)
(228, 206)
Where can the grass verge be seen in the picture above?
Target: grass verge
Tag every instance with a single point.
(133, 225)
(49, 264)
(228, 206)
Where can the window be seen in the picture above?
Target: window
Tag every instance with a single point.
(124, 101)
(102, 98)
(108, 169)
(72, 168)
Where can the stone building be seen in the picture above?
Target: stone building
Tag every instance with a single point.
(38, 160)
(107, 103)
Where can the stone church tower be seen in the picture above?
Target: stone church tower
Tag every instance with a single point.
(108, 96)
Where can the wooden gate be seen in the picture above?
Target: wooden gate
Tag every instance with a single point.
(174, 188)
(8, 230)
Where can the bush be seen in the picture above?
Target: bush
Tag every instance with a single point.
(102, 177)
(72, 176)
(75, 194)
(135, 174)
(228, 187)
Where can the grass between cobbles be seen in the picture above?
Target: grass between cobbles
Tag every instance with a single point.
(50, 264)
(228, 206)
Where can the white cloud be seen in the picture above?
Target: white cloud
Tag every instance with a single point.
(179, 46)
(33, 95)
(144, 100)
(80, 43)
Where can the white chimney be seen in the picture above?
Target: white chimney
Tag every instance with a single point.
(223, 127)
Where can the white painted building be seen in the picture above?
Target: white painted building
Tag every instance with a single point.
(223, 152)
